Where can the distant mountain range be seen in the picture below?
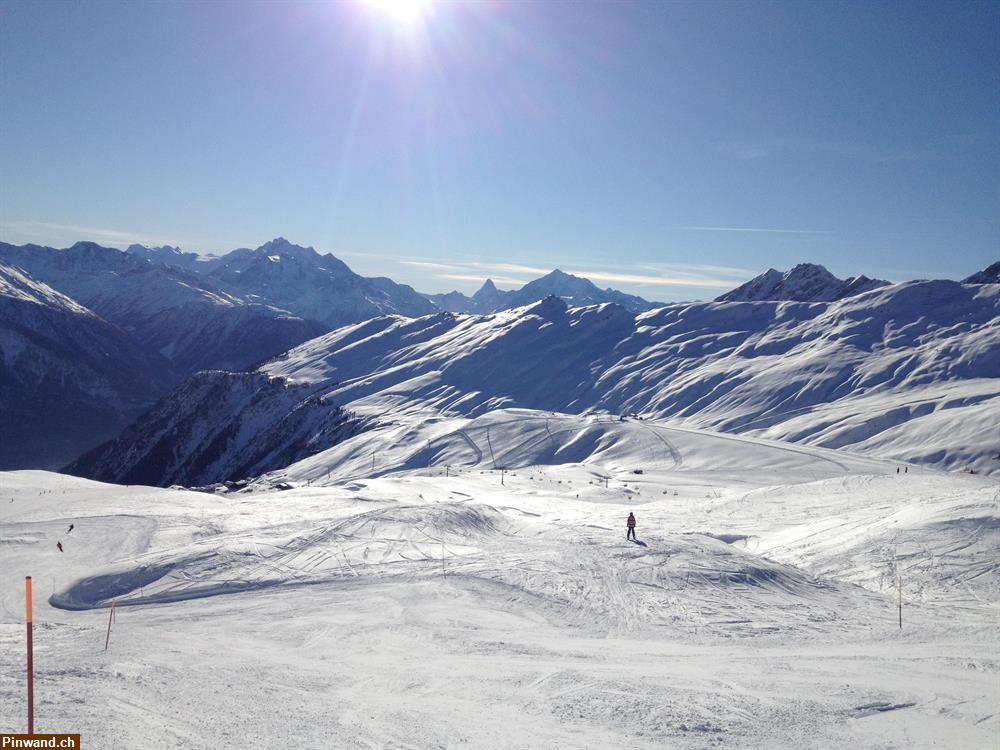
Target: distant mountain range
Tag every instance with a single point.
(905, 370)
(573, 290)
(92, 336)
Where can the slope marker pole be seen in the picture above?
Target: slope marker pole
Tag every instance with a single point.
(900, 602)
(111, 615)
(31, 655)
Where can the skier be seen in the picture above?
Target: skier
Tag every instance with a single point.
(630, 534)
(59, 545)
(70, 528)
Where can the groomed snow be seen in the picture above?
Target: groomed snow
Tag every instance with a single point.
(424, 604)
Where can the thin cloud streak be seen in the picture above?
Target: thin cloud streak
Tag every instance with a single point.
(510, 267)
(429, 264)
(757, 229)
(693, 270)
(629, 278)
(481, 278)
(71, 233)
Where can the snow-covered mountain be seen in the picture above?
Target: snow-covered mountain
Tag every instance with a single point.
(575, 291)
(68, 379)
(314, 286)
(486, 300)
(989, 275)
(909, 371)
(173, 256)
(189, 318)
(806, 282)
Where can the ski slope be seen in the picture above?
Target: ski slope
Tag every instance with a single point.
(475, 589)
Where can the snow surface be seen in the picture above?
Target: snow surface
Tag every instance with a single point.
(910, 371)
(445, 581)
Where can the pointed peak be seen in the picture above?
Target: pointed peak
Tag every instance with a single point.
(280, 245)
(488, 286)
(809, 268)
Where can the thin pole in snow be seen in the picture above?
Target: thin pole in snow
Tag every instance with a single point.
(489, 443)
(31, 655)
(900, 602)
(111, 615)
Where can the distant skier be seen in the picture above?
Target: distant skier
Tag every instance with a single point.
(59, 545)
(70, 528)
(630, 534)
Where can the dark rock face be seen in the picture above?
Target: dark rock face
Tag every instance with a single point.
(220, 426)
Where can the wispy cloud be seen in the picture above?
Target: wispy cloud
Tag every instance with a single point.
(634, 278)
(751, 151)
(757, 229)
(660, 275)
(73, 232)
(510, 267)
(45, 231)
(481, 278)
(695, 269)
(429, 264)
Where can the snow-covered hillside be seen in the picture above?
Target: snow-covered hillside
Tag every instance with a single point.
(383, 607)
(909, 371)
(68, 379)
(806, 282)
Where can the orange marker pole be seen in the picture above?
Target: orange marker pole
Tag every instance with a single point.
(31, 656)
(111, 614)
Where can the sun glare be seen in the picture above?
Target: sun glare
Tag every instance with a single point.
(406, 12)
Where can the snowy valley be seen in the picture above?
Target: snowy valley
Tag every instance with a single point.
(374, 533)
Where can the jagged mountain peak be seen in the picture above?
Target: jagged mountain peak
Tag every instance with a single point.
(804, 282)
(280, 244)
(137, 249)
(574, 290)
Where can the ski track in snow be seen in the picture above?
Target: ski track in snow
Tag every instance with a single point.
(414, 609)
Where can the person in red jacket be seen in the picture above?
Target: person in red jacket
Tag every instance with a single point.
(630, 534)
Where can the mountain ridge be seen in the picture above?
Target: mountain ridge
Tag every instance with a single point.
(921, 357)
(805, 282)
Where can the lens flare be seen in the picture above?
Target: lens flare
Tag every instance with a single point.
(405, 12)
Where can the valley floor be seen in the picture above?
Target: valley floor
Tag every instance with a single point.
(435, 607)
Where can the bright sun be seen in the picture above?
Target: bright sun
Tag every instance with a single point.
(406, 12)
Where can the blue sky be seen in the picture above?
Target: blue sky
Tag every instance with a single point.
(671, 150)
